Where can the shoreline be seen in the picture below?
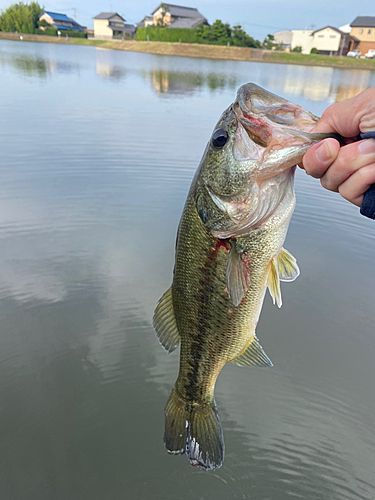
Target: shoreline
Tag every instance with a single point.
(218, 52)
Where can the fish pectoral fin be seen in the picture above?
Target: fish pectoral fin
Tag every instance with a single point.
(165, 322)
(238, 277)
(274, 283)
(287, 266)
(253, 355)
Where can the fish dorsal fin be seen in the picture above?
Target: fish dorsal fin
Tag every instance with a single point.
(253, 355)
(237, 274)
(287, 266)
(274, 282)
(165, 322)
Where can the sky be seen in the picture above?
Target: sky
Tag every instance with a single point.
(257, 17)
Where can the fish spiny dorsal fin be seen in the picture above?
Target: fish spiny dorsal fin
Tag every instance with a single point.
(253, 355)
(287, 266)
(238, 278)
(274, 282)
(165, 322)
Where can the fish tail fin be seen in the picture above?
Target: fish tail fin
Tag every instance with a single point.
(176, 423)
(194, 429)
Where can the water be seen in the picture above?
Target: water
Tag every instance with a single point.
(98, 149)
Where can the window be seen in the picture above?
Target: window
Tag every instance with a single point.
(332, 36)
(369, 32)
(320, 36)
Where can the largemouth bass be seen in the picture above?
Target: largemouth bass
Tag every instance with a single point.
(229, 249)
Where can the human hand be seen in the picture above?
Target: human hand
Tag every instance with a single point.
(349, 169)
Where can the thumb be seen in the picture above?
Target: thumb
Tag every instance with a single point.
(320, 156)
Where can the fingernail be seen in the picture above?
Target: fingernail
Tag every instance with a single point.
(324, 153)
(367, 146)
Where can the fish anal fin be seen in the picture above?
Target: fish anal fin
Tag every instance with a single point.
(287, 266)
(274, 282)
(165, 322)
(253, 355)
(238, 275)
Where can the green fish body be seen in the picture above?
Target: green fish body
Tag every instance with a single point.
(229, 249)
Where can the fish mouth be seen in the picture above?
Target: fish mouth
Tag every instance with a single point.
(271, 121)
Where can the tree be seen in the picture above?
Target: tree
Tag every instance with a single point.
(241, 39)
(298, 48)
(161, 22)
(218, 33)
(21, 17)
(269, 42)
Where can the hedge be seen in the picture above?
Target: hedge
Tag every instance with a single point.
(158, 34)
(70, 34)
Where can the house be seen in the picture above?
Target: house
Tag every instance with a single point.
(59, 21)
(327, 40)
(177, 16)
(146, 21)
(330, 41)
(110, 25)
(363, 34)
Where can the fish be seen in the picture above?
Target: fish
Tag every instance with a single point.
(229, 250)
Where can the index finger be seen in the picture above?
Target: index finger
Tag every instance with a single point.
(345, 117)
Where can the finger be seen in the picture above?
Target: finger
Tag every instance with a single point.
(320, 156)
(351, 116)
(357, 184)
(350, 159)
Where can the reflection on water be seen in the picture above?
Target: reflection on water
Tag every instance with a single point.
(90, 199)
(32, 65)
(165, 82)
(171, 76)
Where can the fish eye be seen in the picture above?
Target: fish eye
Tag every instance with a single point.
(219, 138)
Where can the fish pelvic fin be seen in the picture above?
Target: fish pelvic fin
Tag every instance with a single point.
(274, 282)
(195, 430)
(165, 322)
(253, 355)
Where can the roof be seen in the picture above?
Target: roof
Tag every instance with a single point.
(330, 27)
(185, 22)
(363, 22)
(345, 28)
(108, 15)
(57, 16)
(180, 10)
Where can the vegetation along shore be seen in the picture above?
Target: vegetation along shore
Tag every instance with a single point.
(203, 51)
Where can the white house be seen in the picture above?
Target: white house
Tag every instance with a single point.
(330, 41)
(110, 25)
(327, 40)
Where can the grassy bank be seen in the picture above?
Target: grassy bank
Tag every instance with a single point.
(206, 51)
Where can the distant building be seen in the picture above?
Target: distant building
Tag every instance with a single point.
(175, 16)
(146, 21)
(112, 26)
(283, 39)
(59, 21)
(327, 40)
(303, 39)
(330, 41)
(363, 34)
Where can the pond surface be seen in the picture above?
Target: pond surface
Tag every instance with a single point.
(98, 150)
